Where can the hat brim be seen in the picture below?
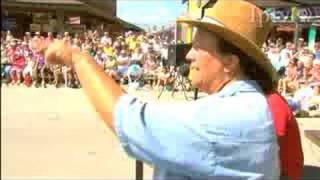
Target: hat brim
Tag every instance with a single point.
(245, 45)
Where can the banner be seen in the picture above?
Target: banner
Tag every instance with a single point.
(74, 20)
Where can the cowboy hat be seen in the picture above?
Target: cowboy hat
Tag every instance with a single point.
(240, 23)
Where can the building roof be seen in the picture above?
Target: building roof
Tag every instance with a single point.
(75, 2)
(95, 7)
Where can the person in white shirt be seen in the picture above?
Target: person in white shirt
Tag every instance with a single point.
(164, 54)
(106, 39)
(137, 56)
(123, 65)
(274, 56)
(286, 54)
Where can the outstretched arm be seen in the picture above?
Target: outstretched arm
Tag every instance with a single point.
(102, 91)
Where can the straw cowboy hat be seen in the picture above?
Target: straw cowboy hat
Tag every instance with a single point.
(240, 23)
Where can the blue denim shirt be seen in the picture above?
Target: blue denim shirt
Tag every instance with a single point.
(228, 135)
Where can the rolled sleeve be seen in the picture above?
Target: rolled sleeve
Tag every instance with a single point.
(163, 135)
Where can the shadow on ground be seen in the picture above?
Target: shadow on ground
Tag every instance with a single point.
(311, 173)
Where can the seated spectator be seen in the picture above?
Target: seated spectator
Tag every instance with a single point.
(49, 38)
(315, 77)
(76, 39)
(106, 38)
(308, 65)
(135, 72)
(163, 77)
(67, 37)
(305, 99)
(150, 65)
(107, 49)
(300, 69)
(100, 57)
(137, 56)
(93, 50)
(38, 65)
(122, 65)
(289, 83)
(18, 62)
(59, 37)
(30, 63)
(5, 64)
(110, 66)
(27, 37)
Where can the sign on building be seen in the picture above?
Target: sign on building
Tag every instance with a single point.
(77, 28)
(35, 27)
(74, 20)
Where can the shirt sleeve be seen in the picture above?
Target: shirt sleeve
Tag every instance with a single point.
(164, 136)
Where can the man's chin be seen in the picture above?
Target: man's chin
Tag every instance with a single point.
(196, 84)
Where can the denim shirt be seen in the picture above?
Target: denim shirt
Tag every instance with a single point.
(225, 136)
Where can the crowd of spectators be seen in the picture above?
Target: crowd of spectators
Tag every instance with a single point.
(140, 59)
(298, 67)
(135, 58)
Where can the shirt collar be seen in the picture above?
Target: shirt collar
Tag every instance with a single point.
(240, 86)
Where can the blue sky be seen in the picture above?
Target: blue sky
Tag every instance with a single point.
(150, 12)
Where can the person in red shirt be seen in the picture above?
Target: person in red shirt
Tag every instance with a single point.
(18, 62)
(287, 130)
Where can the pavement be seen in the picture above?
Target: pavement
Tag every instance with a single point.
(56, 134)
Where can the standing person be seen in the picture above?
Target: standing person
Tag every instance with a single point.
(226, 135)
(287, 130)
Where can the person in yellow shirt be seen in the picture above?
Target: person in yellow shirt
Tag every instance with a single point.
(108, 49)
(133, 43)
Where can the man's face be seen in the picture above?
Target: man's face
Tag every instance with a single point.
(206, 66)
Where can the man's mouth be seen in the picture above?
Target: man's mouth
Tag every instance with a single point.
(194, 68)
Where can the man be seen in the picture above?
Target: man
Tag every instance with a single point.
(227, 135)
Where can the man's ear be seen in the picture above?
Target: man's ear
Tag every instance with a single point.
(231, 63)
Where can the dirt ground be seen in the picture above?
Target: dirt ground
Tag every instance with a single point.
(55, 133)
